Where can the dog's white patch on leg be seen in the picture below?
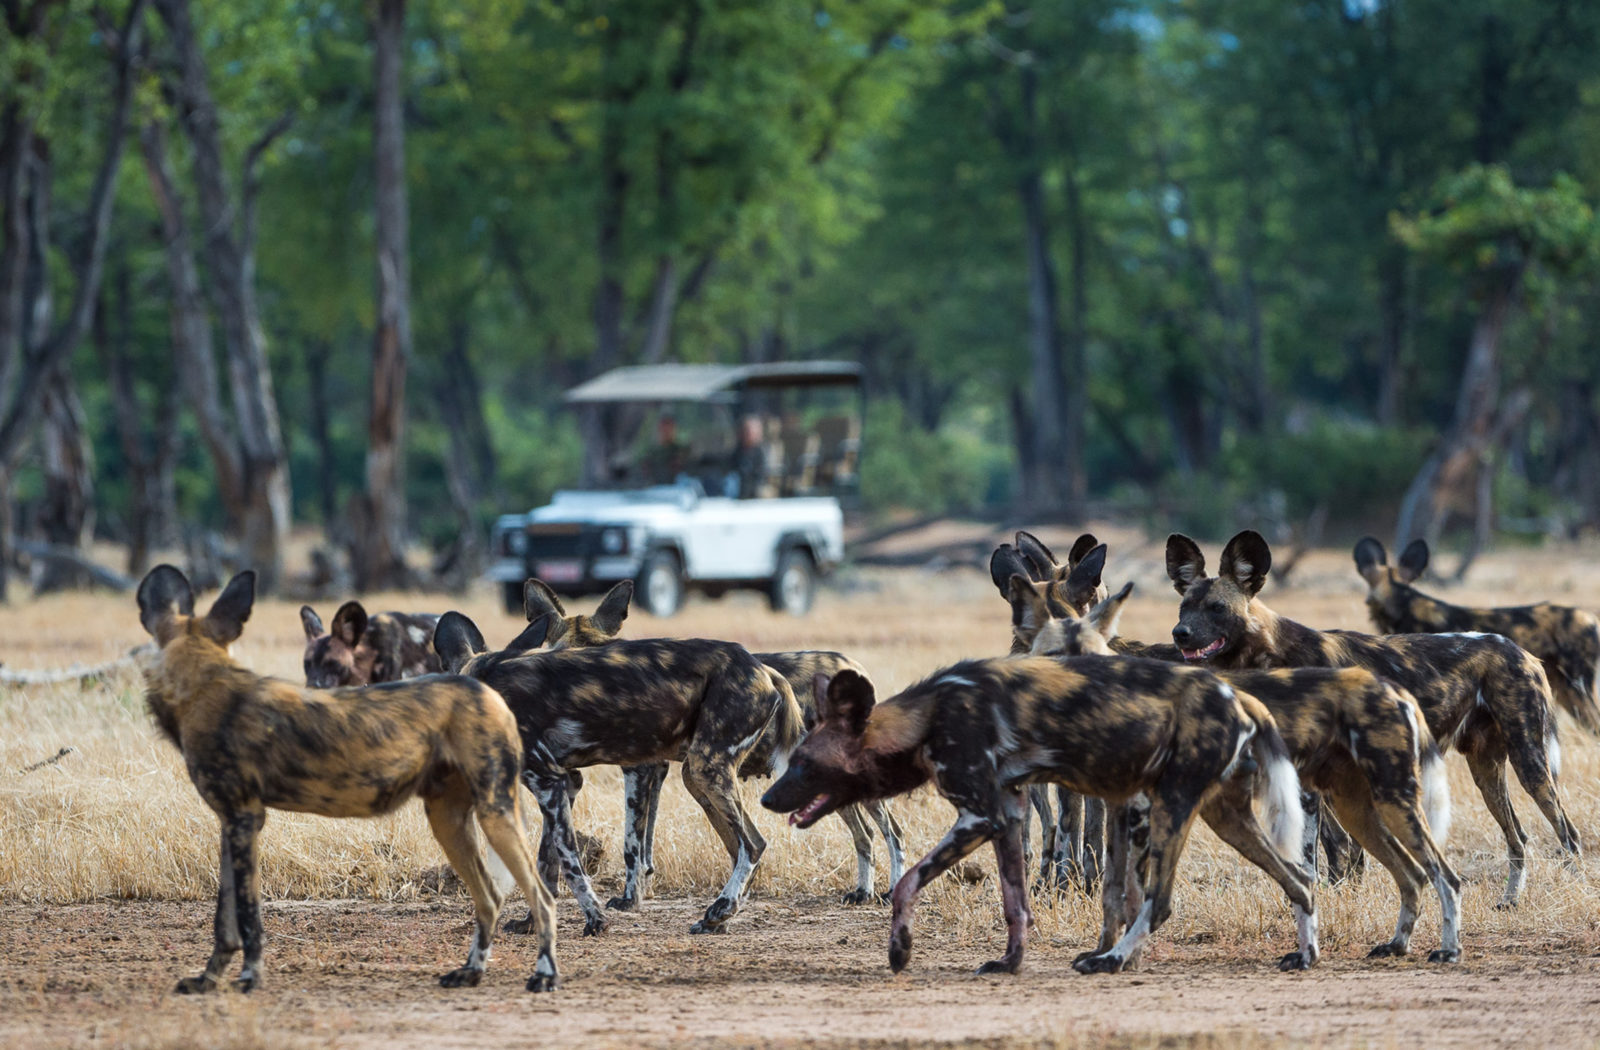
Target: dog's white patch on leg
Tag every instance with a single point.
(1403, 926)
(1516, 878)
(1552, 748)
(1305, 926)
(1449, 913)
(1132, 942)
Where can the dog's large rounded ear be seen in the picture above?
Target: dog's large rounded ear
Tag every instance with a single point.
(1103, 617)
(1413, 561)
(1081, 547)
(457, 639)
(613, 608)
(535, 634)
(1246, 559)
(1029, 610)
(538, 599)
(1004, 563)
(1371, 559)
(848, 701)
(163, 594)
(1186, 566)
(311, 622)
(349, 623)
(225, 622)
(1042, 564)
(1082, 583)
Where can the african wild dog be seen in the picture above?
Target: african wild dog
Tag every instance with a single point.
(362, 650)
(253, 743)
(1566, 640)
(1114, 728)
(1480, 693)
(643, 784)
(1072, 839)
(1359, 740)
(634, 703)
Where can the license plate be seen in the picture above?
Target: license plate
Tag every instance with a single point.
(559, 571)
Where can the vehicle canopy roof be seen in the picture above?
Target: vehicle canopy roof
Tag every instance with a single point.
(709, 383)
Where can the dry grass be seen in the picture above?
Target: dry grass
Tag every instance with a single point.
(117, 818)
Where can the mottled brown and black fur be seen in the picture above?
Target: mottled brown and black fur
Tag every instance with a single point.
(982, 730)
(1480, 693)
(635, 703)
(363, 650)
(1566, 640)
(252, 744)
(576, 631)
(1360, 741)
(1073, 837)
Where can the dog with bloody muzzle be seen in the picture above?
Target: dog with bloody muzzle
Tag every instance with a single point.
(982, 730)
(1480, 693)
(1360, 741)
(1564, 639)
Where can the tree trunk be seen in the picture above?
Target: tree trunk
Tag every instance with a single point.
(316, 359)
(265, 508)
(1391, 334)
(595, 422)
(66, 519)
(379, 553)
(1076, 403)
(1047, 490)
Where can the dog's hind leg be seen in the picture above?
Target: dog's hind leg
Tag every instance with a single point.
(1065, 860)
(1039, 799)
(640, 791)
(1484, 750)
(1231, 815)
(656, 779)
(972, 829)
(1358, 815)
(450, 818)
(1094, 840)
(861, 838)
(504, 831)
(893, 839)
(1171, 815)
(225, 928)
(1013, 887)
(556, 809)
(1535, 757)
(1410, 826)
(712, 783)
(243, 829)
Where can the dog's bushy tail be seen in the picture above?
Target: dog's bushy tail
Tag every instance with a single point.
(1430, 764)
(788, 723)
(1277, 783)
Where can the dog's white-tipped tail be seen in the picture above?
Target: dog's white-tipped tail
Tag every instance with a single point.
(1280, 788)
(1435, 794)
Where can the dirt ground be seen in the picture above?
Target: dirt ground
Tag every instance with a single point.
(355, 974)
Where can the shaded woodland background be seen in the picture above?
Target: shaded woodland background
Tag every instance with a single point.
(265, 264)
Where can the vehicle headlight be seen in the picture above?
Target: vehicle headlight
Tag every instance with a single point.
(516, 542)
(614, 541)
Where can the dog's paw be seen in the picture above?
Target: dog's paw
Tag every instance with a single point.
(899, 949)
(1386, 950)
(542, 982)
(999, 966)
(859, 897)
(522, 925)
(1506, 904)
(246, 985)
(1103, 963)
(463, 977)
(622, 903)
(196, 985)
(595, 925)
(1295, 961)
(1445, 955)
(705, 926)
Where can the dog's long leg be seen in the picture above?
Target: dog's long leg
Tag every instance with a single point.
(861, 838)
(1231, 815)
(656, 780)
(1113, 886)
(1356, 812)
(1013, 887)
(503, 829)
(556, 808)
(893, 838)
(1068, 839)
(1484, 751)
(243, 828)
(1171, 815)
(971, 830)
(710, 779)
(450, 818)
(638, 792)
(1094, 840)
(1533, 751)
(225, 928)
(1039, 799)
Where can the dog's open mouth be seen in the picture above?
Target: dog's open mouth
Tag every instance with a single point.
(1201, 654)
(807, 814)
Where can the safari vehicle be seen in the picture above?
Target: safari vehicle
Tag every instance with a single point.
(755, 499)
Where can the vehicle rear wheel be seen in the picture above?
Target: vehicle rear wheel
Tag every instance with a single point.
(511, 594)
(794, 585)
(660, 587)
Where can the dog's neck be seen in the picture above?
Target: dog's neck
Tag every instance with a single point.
(187, 669)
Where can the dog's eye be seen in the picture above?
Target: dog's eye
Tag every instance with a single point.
(1217, 607)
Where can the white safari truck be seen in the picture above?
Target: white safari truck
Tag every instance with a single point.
(751, 499)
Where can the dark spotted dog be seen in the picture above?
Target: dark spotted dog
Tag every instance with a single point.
(1073, 837)
(1480, 693)
(253, 744)
(363, 650)
(642, 784)
(634, 703)
(1114, 728)
(1358, 740)
(1566, 640)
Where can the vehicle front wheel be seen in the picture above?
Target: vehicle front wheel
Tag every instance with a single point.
(794, 585)
(661, 584)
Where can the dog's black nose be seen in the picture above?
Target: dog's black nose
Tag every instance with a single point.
(1180, 634)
